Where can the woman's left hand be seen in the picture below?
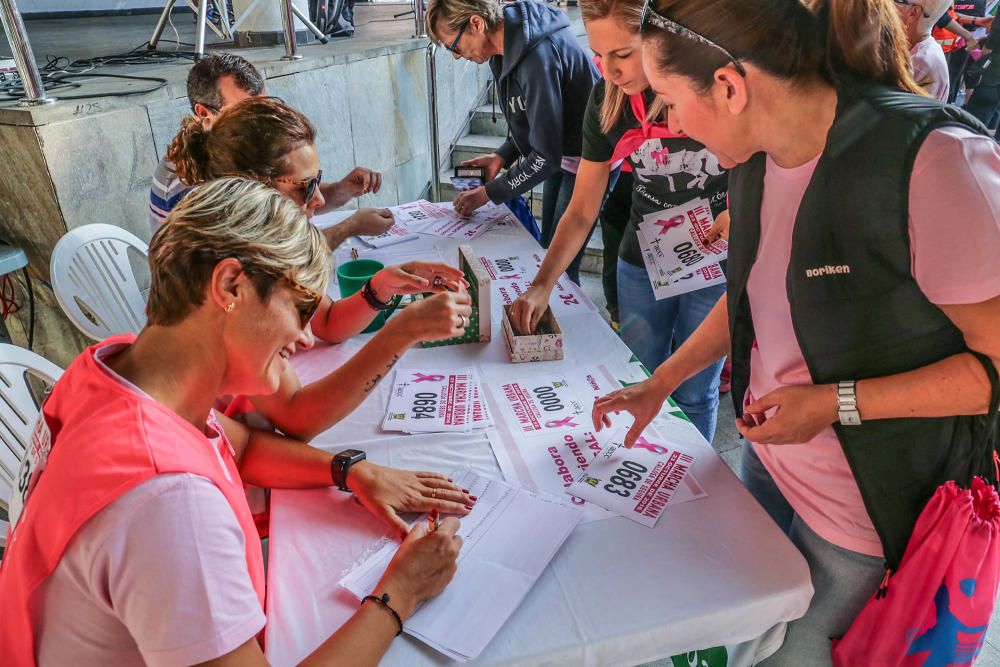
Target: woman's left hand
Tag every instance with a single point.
(417, 277)
(466, 203)
(790, 415)
(385, 491)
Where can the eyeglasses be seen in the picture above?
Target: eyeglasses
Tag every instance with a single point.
(913, 4)
(649, 16)
(210, 107)
(308, 302)
(311, 185)
(453, 47)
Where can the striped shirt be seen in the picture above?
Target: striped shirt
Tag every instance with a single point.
(166, 191)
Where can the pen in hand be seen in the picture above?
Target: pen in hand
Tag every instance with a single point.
(433, 520)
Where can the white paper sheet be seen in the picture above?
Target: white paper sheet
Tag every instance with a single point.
(435, 400)
(508, 540)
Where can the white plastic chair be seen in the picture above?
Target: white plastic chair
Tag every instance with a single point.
(18, 412)
(94, 282)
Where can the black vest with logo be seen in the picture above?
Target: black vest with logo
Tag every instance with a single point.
(856, 309)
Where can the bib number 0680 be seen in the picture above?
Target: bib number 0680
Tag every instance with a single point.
(687, 253)
(625, 479)
(548, 399)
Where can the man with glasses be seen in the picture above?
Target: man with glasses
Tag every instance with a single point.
(930, 69)
(220, 80)
(543, 81)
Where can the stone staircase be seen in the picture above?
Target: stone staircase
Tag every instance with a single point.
(486, 131)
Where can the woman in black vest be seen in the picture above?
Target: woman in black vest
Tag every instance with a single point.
(863, 303)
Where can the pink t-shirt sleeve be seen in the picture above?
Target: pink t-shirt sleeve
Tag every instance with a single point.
(181, 586)
(955, 217)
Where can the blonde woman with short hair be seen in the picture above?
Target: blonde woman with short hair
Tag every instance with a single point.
(136, 545)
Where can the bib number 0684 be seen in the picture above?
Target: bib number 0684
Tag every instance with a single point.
(625, 479)
(424, 405)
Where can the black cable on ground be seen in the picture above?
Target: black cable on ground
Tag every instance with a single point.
(31, 309)
(59, 72)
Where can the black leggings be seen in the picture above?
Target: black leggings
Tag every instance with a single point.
(984, 104)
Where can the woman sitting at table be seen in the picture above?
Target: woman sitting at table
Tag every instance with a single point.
(135, 544)
(264, 139)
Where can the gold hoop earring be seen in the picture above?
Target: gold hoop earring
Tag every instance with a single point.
(230, 307)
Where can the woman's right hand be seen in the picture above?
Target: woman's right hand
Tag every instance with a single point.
(528, 309)
(424, 564)
(438, 317)
(643, 401)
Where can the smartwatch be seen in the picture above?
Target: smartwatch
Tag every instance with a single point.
(341, 464)
(847, 404)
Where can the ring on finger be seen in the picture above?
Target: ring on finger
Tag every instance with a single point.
(434, 493)
(465, 322)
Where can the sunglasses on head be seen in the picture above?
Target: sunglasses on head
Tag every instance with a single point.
(453, 47)
(650, 17)
(309, 185)
(913, 4)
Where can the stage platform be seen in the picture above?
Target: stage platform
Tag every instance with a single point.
(77, 162)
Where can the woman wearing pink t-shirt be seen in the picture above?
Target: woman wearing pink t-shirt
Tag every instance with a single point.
(863, 304)
(135, 544)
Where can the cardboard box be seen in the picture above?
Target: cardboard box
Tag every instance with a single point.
(480, 324)
(544, 345)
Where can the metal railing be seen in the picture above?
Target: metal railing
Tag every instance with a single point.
(27, 69)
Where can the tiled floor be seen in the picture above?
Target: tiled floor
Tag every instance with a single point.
(727, 443)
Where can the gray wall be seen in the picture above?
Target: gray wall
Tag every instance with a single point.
(79, 167)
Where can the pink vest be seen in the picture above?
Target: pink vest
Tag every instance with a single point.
(106, 440)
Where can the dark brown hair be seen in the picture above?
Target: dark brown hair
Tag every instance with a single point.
(831, 40)
(251, 138)
(203, 78)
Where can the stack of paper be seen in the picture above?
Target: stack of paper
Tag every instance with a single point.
(436, 401)
(465, 228)
(677, 256)
(509, 539)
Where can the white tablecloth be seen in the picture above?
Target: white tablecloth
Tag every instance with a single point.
(716, 571)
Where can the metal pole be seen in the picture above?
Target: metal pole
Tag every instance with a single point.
(288, 23)
(432, 116)
(199, 42)
(27, 69)
(418, 18)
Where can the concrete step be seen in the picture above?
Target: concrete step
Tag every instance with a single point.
(474, 145)
(482, 122)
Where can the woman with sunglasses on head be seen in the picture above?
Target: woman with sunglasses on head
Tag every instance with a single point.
(264, 139)
(543, 79)
(863, 303)
(624, 120)
(135, 544)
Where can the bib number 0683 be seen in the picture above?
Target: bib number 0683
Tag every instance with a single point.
(625, 479)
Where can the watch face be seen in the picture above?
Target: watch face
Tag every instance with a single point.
(352, 455)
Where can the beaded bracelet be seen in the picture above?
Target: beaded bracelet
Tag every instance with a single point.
(384, 601)
(368, 294)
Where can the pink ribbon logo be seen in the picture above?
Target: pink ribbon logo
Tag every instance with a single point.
(646, 444)
(666, 225)
(420, 377)
(565, 421)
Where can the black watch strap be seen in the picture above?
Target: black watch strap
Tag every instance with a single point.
(341, 465)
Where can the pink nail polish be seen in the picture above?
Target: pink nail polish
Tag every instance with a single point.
(474, 498)
(468, 507)
(465, 490)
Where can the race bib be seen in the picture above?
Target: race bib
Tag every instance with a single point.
(637, 483)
